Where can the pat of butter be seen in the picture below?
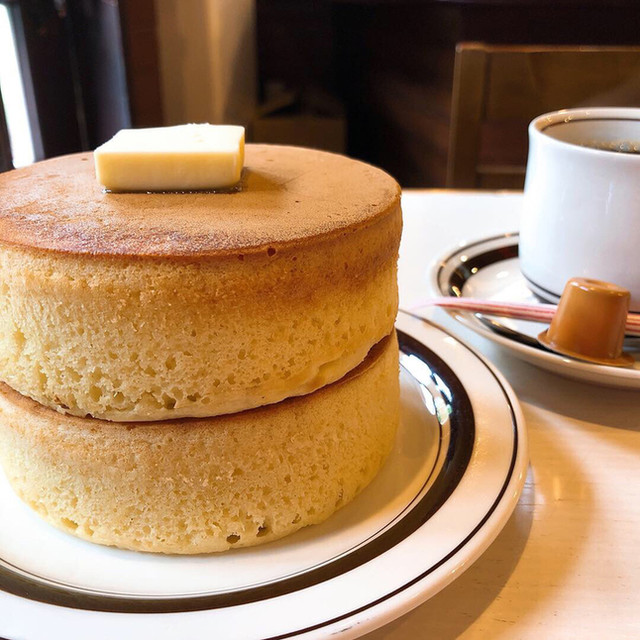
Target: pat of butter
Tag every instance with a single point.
(186, 157)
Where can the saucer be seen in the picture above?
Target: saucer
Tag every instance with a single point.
(489, 268)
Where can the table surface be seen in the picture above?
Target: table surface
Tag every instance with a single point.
(566, 564)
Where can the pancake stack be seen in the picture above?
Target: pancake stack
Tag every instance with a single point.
(191, 372)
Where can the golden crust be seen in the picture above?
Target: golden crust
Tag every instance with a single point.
(289, 196)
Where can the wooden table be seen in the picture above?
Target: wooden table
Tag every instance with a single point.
(567, 564)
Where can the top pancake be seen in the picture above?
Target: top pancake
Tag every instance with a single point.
(288, 196)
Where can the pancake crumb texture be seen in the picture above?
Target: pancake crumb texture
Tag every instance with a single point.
(127, 340)
(197, 486)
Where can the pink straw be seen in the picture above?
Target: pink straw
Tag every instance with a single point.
(521, 311)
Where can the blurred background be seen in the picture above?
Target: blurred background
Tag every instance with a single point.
(379, 80)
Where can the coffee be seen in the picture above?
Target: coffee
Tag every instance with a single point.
(618, 146)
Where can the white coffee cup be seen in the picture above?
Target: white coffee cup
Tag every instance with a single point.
(581, 211)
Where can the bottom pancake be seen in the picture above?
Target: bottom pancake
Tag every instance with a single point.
(202, 485)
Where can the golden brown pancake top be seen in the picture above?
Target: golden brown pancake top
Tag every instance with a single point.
(288, 195)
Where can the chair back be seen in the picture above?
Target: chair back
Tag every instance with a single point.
(499, 89)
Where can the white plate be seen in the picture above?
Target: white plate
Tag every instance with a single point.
(447, 490)
(489, 268)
